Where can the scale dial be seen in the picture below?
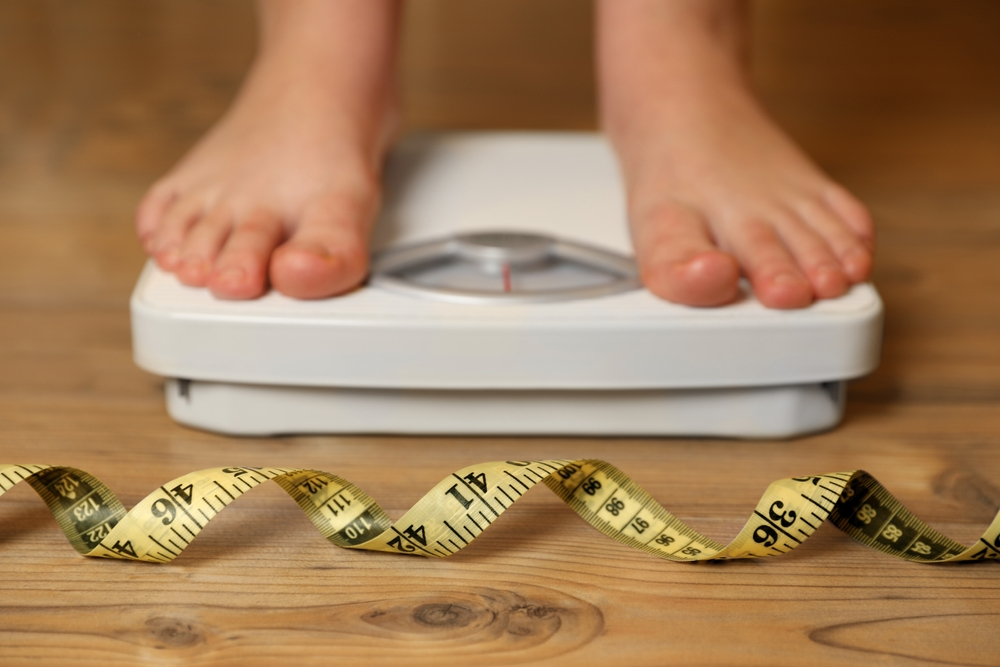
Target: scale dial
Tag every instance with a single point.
(503, 267)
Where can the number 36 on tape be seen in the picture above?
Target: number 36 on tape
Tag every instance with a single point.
(462, 506)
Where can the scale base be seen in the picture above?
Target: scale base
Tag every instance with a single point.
(738, 412)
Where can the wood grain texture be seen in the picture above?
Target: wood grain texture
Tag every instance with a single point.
(897, 98)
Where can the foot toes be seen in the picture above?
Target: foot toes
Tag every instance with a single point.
(201, 247)
(173, 229)
(235, 282)
(150, 212)
(678, 259)
(851, 248)
(857, 264)
(328, 254)
(782, 289)
(814, 257)
(855, 214)
(828, 281)
(774, 273)
(193, 271)
(240, 270)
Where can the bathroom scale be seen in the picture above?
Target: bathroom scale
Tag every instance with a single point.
(502, 299)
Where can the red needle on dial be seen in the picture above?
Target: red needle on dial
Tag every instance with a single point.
(506, 277)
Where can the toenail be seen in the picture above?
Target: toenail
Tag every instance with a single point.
(169, 256)
(856, 262)
(231, 275)
(828, 272)
(191, 265)
(787, 279)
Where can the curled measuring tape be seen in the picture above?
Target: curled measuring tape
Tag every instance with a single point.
(462, 506)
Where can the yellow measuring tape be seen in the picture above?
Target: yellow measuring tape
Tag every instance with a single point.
(462, 506)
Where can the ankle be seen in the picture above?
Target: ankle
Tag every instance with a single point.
(336, 58)
(662, 62)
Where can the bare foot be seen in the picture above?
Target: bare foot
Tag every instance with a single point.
(716, 189)
(284, 189)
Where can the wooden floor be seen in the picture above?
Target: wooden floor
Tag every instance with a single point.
(899, 99)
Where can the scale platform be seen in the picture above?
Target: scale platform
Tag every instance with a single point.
(502, 300)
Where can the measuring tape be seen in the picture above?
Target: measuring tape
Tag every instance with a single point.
(462, 506)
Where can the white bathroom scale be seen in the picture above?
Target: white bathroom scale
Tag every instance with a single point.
(502, 299)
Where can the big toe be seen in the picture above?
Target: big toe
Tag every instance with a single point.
(709, 278)
(678, 258)
(318, 266)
